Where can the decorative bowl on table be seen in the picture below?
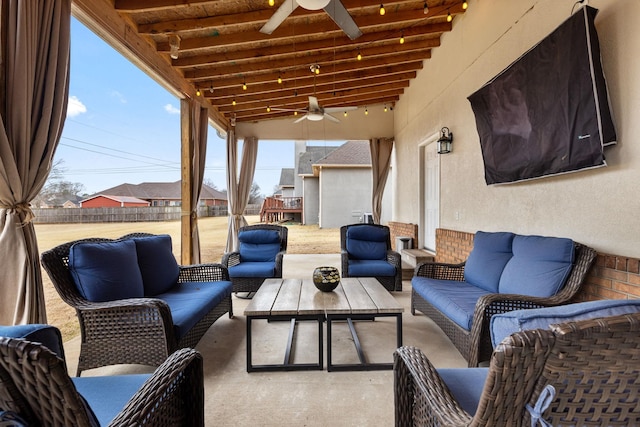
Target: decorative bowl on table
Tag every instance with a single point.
(326, 278)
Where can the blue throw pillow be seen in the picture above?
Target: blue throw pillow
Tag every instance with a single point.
(157, 264)
(259, 245)
(106, 271)
(490, 254)
(366, 242)
(539, 267)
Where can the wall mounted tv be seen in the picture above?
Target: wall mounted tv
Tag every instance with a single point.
(548, 112)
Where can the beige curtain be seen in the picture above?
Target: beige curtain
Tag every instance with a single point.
(239, 186)
(200, 124)
(380, 164)
(34, 83)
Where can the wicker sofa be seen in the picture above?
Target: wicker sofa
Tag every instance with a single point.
(503, 272)
(135, 304)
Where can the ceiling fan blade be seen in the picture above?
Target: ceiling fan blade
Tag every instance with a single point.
(313, 103)
(279, 16)
(330, 117)
(336, 10)
(300, 119)
(338, 109)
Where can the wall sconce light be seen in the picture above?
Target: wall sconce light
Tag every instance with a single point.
(445, 141)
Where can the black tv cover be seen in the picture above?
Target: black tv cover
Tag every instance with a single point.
(548, 112)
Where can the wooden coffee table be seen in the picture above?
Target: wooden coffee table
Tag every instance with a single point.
(297, 300)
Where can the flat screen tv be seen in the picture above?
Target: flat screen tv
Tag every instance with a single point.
(548, 112)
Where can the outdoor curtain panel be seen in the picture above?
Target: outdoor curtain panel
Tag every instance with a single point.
(380, 164)
(199, 122)
(239, 187)
(35, 83)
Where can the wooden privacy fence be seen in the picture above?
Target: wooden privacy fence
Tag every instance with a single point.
(137, 214)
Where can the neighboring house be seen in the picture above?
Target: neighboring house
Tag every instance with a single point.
(161, 194)
(287, 182)
(109, 201)
(335, 183)
(60, 202)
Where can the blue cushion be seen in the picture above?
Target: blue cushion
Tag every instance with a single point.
(367, 242)
(157, 264)
(505, 324)
(456, 300)
(466, 385)
(539, 267)
(258, 245)
(253, 269)
(371, 268)
(108, 395)
(191, 301)
(47, 335)
(490, 253)
(106, 271)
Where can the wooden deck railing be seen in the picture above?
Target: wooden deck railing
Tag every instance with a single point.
(275, 208)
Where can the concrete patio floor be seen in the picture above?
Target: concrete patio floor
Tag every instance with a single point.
(234, 397)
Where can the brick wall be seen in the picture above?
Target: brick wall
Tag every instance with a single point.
(611, 277)
(403, 229)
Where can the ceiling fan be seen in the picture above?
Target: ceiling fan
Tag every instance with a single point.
(334, 8)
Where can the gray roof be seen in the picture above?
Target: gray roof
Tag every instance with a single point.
(159, 190)
(311, 156)
(287, 177)
(349, 153)
(121, 199)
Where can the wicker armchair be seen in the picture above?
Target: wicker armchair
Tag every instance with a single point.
(134, 330)
(475, 345)
(391, 281)
(35, 386)
(246, 283)
(592, 365)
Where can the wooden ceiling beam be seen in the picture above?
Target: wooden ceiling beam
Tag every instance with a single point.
(149, 5)
(411, 35)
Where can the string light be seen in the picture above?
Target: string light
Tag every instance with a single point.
(402, 38)
(272, 3)
(244, 85)
(465, 5)
(198, 93)
(268, 109)
(426, 8)
(359, 57)
(233, 102)
(345, 114)
(279, 80)
(385, 108)
(382, 11)
(449, 17)
(366, 111)
(295, 113)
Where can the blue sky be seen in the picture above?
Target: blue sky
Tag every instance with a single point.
(123, 127)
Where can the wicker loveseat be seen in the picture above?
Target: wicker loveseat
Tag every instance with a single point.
(135, 304)
(576, 373)
(35, 388)
(503, 272)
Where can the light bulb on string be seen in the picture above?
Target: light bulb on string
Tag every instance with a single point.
(402, 38)
(244, 86)
(279, 80)
(272, 3)
(382, 11)
(366, 111)
(359, 57)
(449, 17)
(465, 5)
(268, 109)
(198, 93)
(233, 102)
(425, 9)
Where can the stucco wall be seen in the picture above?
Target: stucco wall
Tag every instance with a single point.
(597, 207)
(311, 200)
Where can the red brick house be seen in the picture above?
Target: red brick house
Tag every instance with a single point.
(105, 201)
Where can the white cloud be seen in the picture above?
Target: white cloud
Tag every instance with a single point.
(120, 97)
(75, 107)
(171, 109)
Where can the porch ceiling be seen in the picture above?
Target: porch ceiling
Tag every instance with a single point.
(221, 48)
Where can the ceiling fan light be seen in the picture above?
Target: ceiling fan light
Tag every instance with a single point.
(313, 4)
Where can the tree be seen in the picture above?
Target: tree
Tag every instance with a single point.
(56, 190)
(255, 196)
(209, 183)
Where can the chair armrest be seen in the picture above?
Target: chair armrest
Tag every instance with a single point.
(175, 390)
(440, 270)
(488, 305)
(421, 397)
(230, 259)
(344, 261)
(393, 258)
(203, 273)
(278, 266)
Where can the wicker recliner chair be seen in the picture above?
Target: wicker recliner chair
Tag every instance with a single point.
(365, 251)
(35, 388)
(577, 373)
(131, 330)
(262, 249)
